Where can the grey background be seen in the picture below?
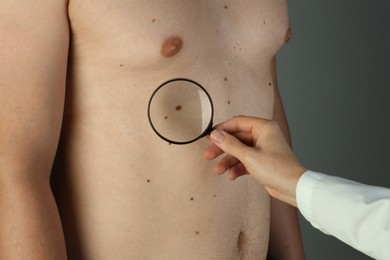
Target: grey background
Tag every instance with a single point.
(334, 81)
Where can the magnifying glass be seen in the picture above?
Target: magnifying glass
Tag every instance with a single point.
(180, 111)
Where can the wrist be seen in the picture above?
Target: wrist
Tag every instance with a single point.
(286, 191)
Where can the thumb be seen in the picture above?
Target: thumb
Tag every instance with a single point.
(229, 144)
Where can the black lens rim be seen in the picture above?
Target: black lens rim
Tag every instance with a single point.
(207, 131)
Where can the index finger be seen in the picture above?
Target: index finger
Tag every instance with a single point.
(246, 124)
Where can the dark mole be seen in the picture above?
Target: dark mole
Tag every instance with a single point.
(153, 20)
(269, 84)
(148, 180)
(263, 22)
(171, 46)
(197, 232)
(228, 102)
(178, 108)
(120, 65)
(191, 198)
(166, 117)
(226, 7)
(214, 196)
(225, 79)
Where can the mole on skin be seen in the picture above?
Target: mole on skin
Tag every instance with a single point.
(171, 46)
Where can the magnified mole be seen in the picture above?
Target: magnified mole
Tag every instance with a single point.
(178, 108)
(171, 46)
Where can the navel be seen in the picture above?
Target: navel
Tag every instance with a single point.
(171, 46)
(241, 242)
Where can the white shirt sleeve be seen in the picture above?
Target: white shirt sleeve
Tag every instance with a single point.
(357, 214)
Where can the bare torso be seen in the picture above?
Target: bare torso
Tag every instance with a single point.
(122, 192)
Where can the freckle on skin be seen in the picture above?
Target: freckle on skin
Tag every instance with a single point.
(153, 20)
(226, 7)
(191, 198)
(171, 46)
(228, 102)
(148, 181)
(225, 79)
(197, 232)
(178, 108)
(120, 65)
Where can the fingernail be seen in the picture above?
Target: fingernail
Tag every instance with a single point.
(217, 136)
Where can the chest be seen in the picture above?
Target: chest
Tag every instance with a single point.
(137, 29)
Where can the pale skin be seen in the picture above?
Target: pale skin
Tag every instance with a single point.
(75, 80)
(257, 147)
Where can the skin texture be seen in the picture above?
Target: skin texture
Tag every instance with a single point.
(76, 79)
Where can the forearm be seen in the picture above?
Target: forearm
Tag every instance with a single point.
(30, 226)
(285, 235)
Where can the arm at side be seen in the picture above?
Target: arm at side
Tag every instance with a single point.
(33, 49)
(285, 235)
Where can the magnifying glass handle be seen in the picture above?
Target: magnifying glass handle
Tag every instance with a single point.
(208, 130)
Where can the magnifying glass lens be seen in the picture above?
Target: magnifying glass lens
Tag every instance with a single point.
(180, 111)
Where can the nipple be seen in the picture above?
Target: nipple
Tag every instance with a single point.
(288, 34)
(171, 46)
